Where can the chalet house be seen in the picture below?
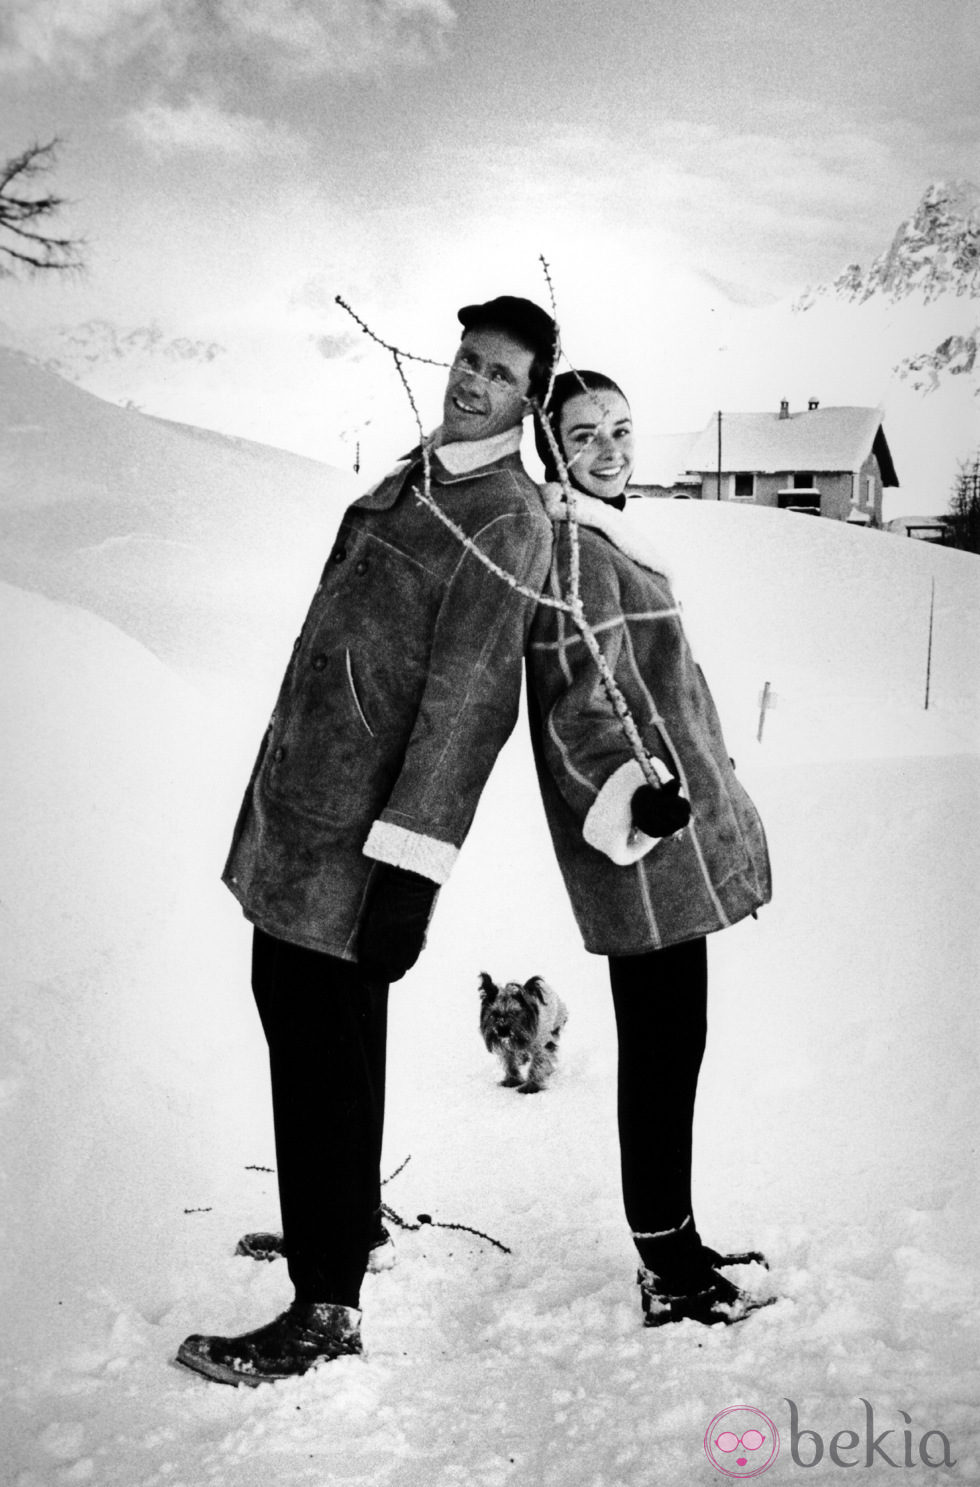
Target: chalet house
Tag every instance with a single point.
(831, 462)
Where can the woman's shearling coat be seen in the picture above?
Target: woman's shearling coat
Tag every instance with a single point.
(632, 893)
(402, 688)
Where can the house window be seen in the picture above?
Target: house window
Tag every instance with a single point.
(800, 498)
(743, 488)
(869, 491)
(803, 480)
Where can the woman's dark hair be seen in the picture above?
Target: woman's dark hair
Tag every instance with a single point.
(567, 386)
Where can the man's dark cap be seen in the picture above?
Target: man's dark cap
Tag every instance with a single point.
(523, 319)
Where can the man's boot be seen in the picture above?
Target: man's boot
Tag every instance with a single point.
(307, 1334)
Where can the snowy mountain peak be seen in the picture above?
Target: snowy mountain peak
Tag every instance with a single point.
(79, 349)
(935, 252)
(932, 264)
(115, 362)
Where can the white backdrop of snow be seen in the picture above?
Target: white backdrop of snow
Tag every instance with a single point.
(873, 337)
(150, 601)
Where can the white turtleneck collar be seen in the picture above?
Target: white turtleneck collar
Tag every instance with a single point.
(472, 454)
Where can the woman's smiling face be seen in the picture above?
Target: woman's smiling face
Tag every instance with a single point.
(596, 437)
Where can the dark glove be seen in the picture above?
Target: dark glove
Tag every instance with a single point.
(660, 812)
(395, 919)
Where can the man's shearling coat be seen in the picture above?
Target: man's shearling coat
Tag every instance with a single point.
(631, 893)
(403, 686)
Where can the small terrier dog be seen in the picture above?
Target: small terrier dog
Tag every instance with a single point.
(522, 1025)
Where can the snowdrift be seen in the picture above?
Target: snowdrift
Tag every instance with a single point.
(173, 533)
(836, 1119)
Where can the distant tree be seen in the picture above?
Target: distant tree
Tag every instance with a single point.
(26, 244)
(964, 506)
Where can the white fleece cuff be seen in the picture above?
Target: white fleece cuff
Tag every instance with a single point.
(399, 847)
(609, 825)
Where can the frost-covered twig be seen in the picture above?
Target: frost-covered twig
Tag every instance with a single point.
(573, 602)
(426, 1218)
(580, 621)
(396, 351)
(399, 356)
(392, 1175)
(465, 1229)
(556, 354)
(427, 499)
(571, 504)
(570, 603)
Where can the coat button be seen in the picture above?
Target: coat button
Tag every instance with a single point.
(279, 754)
(319, 662)
(362, 566)
(295, 645)
(339, 553)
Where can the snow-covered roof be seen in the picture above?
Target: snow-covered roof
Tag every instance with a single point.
(814, 439)
(662, 458)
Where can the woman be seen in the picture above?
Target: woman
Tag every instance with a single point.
(650, 870)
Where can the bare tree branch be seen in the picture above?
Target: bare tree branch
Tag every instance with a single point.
(31, 246)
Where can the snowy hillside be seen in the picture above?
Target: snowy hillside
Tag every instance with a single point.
(99, 505)
(152, 581)
(281, 383)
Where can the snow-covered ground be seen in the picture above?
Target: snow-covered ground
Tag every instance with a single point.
(152, 587)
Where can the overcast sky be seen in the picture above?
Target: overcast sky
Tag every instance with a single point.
(236, 163)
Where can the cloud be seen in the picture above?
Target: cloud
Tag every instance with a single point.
(68, 34)
(203, 127)
(281, 39)
(768, 210)
(338, 36)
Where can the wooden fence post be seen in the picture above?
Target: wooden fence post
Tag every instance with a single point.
(932, 605)
(763, 705)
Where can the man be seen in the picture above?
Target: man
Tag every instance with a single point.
(403, 686)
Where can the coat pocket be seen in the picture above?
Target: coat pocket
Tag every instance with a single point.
(353, 692)
(327, 761)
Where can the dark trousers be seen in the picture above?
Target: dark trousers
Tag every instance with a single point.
(326, 1028)
(661, 1005)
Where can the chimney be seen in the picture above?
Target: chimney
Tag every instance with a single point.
(813, 405)
(784, 408)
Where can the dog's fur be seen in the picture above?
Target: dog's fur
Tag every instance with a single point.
(522, 1025)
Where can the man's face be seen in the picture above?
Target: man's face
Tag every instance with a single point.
(487, 388)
